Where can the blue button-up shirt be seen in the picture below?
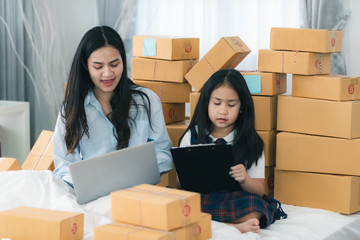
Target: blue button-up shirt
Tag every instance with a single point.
(101, 138)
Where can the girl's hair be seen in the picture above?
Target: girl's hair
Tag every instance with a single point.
(79, 83)
(247, 145)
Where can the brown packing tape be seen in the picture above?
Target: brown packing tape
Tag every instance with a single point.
(41, 156)
(165, 193)
(319, 63)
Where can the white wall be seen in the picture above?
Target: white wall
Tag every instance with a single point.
(352, 43)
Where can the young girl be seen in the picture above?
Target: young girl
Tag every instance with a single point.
(225, 115)
(103, 109)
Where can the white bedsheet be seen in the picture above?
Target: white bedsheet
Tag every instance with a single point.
(42, 189)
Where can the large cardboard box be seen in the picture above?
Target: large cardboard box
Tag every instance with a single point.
(199, 230)
(168, 48)
(41, 156)
(160, 70)
(194, 98)
(338, 193)
(267, 84)
(319, 117)
(329, 87)
(310, 153)
(265, 112)
(168, 92)
(306, 40)
(228, 52)
(176, 130)
(9, 164)
(173, 112)
(29, 223)
(269, 180)
(168, 179)
(269, 139)
(155, 207)
(304, 63)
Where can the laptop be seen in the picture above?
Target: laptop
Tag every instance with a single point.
(205, 168)
(99, 176)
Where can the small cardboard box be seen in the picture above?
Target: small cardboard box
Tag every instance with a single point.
(41, 156)
(265, 112)
(168, 92)
(319, 117)
(176, 130)
(199, 230)
(304, 63)
(173, 112)
(269, 139)
(306, 40)
(228, 52)
(160, 70)
(267, 84)
(9, 164)
(310, 153)
(194, 98)
(166, 47)
(269, 181)
(35, 223)
(155, 207)
(338, 193)
(329, 87)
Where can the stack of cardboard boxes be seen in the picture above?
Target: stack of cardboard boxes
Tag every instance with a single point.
(316, 158)
(160, 64)
(265, 87)
(153, 212)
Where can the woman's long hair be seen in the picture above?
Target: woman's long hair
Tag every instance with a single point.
(247, 145)
(79, 83)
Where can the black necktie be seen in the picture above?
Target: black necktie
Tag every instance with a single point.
(220, 141)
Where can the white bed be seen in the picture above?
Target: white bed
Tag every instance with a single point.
(42, 189)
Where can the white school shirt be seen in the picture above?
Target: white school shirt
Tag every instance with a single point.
(102, 139)
(255, 171)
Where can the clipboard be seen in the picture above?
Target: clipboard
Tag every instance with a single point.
(204, 168)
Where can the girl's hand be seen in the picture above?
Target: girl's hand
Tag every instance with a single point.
(238, 172)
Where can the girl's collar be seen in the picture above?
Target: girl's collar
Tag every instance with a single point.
(228, 138)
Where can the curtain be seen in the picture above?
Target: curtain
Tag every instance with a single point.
(120, 15)
(31, 60)
(210, 20)
(327, 14)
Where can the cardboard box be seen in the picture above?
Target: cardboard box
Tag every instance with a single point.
(319, 117)
(338, 193)
(168, 179)
(228, 52)
(329, 87)
(265, 112)
(9, 164)
(306, 40)
(194, 98)
(164, 47)
(120, 231)
(267, 84)
(41, 156)
(176, 130)
(269, 139)
(168, 92)
(173, 112)
(36, 223)
(304, 63)
(269, 181)
(160, 70)
(155, 207)
(310, 153)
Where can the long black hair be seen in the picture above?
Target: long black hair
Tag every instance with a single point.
(79, 83)
(247, 145)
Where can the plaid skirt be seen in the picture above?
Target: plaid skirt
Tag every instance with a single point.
(230, 206)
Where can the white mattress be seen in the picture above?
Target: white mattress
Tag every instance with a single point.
(42, 189)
